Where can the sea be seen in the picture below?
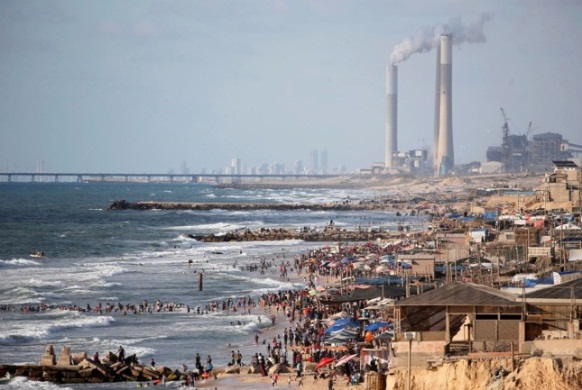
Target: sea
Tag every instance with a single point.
(96, 256)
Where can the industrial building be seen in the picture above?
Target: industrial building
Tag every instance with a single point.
(520, 154)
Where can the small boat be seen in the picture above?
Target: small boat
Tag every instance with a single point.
(38, 254)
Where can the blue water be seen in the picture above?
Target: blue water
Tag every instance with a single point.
(98, 256)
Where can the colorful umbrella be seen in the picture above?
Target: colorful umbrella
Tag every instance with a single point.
(345, 359)
(324, 362)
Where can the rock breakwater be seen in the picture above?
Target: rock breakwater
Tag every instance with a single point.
(362, 205)
(78, 368)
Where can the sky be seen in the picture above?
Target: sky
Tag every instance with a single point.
(151, 86)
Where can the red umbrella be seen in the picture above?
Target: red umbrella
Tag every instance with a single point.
(324, 362)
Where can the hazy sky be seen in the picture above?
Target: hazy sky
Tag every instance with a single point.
(143, 86)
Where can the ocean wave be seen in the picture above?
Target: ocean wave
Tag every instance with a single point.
(42, 283)
(20, 261)
(16, 332)
(22, 383)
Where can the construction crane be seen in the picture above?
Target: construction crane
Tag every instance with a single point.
(505, 145)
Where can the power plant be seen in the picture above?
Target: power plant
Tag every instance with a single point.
(517, 153)
(443, 152)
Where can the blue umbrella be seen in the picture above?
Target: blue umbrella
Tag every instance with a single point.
(377, 325)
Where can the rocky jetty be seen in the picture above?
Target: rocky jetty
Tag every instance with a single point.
(346, 205)
(77, 368)
(327, 234)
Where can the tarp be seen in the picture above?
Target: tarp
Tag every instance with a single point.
(340, 325)
(381, 355)
(377, 325)
(346, 333)
(568, 226)
(384, 336)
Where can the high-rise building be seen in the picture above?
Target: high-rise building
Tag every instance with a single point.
(235, 166)
(323, 162)
(314, 162)
(298, 168)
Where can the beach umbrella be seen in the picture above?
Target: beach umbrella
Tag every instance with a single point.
(382, 269)
(358, 265)
(345, 260)
(324, 362)
(345, 359)
(340, 314)
(312, 292)
(377, 325)
(367, 267)
(384, 336)
(334, 265)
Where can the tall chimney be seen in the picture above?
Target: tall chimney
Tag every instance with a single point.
(437, 109)
(445, 155)
(391, 115)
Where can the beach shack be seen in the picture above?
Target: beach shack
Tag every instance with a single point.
(552, 322)
(457, 319)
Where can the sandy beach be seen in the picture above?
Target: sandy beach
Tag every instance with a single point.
(244, 380)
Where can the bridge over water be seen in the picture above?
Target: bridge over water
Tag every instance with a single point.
(28, 177)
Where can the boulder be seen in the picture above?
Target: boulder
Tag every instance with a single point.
(254, 369)
(109, 358)
(65, 357)
(48, 358)
(232, 370)
(78, 357)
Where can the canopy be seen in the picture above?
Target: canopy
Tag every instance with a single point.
(384, 336)
(568, 226)
(339, 325)
(324, 362)
(378, 325)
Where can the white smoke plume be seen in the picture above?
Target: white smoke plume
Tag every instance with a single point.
(428, 38)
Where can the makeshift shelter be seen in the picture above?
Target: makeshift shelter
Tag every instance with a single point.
(554, 312)
(439, 314)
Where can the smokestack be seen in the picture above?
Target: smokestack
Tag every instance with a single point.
(391, 115)
(445, 153)
(437, 108)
